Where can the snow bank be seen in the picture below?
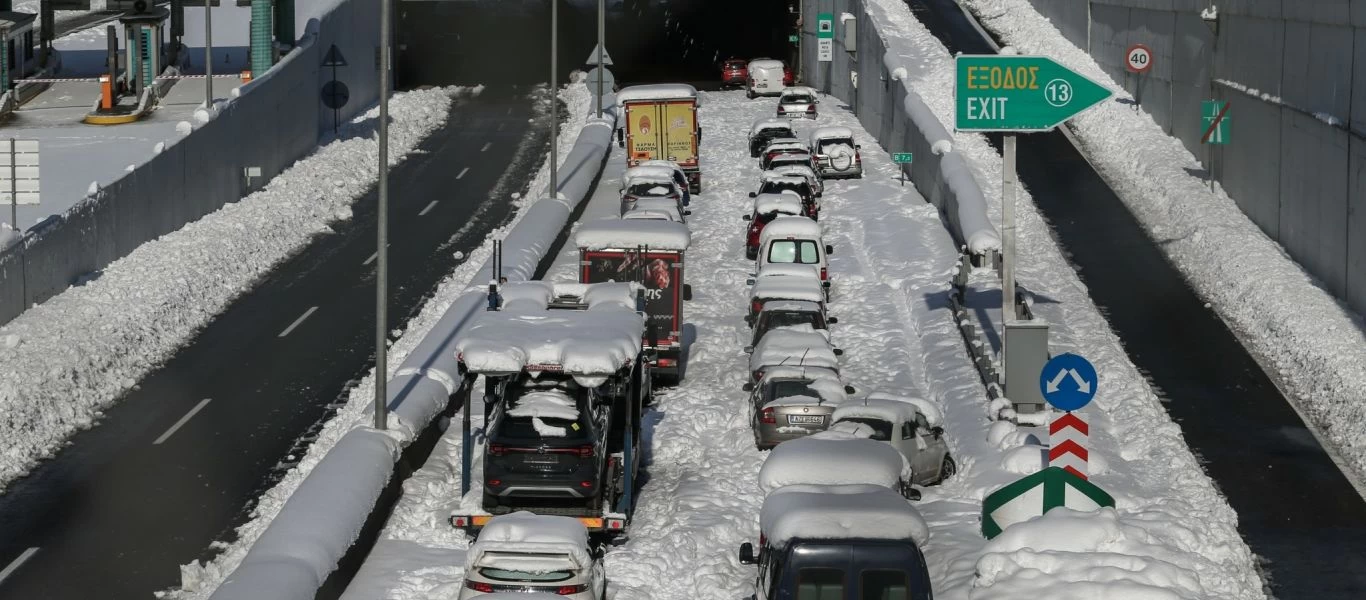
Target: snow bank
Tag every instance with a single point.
(820, 461)
(521, 533)
(840, 512)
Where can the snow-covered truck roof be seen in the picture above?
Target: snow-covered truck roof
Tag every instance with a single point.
(838, 512)
(787, 288)
(887, 407)
(658, 91)
(528, 542)
(770, 123)
(833, 461)
(529, 335)
(620, 234)
(792, 348)
(788, 203)
(791, 227)
(830, 133)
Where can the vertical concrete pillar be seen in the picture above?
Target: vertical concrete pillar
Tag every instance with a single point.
(262, 54)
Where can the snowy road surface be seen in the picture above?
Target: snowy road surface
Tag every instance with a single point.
(176, 464)
(891, 269)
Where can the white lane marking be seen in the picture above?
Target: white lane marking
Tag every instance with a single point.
(486, 146)
(500, 126)
(183, 420)
(462, 172)
(372, 258)
(509, 110)
(428, 209)
(14, 566)
(297, 322)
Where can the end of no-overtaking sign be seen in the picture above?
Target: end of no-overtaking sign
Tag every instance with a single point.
(1019, 93)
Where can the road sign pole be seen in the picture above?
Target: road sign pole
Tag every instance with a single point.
(208, 57)
(382, 237)
(602, 34)
(13, 185)
(555, 99)
(1008, 231)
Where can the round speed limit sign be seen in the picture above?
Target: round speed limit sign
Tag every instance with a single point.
(1138, 59)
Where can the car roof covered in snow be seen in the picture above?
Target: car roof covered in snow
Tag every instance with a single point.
(792, 306)
(787, 288)
(786, 202)
(528, 335)
(793, 348)
(645, 172)
(770, 123)
(660, 163)
(657, 91)
(791, 170)
(791, 227)
(668, 205)
(830, 132)
(834, 461)
(838, 512)
(787, 270)
(785, 144)
(925, 407)
(512, 542)
(633, 233)
(775, 176)
(890, 411)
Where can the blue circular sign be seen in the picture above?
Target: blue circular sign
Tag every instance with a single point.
(1068, 382)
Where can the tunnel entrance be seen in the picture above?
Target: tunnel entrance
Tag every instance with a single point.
(508, 42)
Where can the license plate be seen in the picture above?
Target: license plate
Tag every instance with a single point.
(541, 459)
(762, 85)
(805, 419)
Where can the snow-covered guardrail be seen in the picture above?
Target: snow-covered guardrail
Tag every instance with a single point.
(320, 521)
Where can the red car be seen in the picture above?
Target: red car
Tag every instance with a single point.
(734, 71)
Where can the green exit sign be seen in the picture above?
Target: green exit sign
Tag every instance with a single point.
(901, 158)
(792, 38)
(1019, 93)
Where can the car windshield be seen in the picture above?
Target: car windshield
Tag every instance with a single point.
(524, 576)
(786, 389)
(649, 189)
(882, 430)
(793, 251)
(788, 160)
(828, 143)
(884, 584)
(777, 187)
(797, 99)
(791, 318)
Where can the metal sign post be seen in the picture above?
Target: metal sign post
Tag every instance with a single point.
(555, 98)
(208, 57)
(1214, 116)
(1008, 180)
(901, 159)
(382, 237)
(1138, 59)
(602, 34)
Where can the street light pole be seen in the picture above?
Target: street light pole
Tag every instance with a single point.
(382, 239)
(602, 26)
(208, 57)
(554, 98)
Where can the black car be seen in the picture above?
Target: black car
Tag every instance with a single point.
(765, 131)
(776, 185)
(789, 313)
(546, 443)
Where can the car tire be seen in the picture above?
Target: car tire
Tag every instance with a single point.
(750, 94)
(947, 469)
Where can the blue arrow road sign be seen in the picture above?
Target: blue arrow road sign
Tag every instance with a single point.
(1068, 382)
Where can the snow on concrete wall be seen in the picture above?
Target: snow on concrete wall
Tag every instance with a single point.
(1291, 72)
(869, 72)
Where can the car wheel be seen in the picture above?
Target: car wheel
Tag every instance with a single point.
(750, 94)
(947, 469)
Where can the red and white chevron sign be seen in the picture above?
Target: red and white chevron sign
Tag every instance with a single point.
(1067, 438)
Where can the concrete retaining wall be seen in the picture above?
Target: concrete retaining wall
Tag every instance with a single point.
(278, 119)
(867, 74)
(1297, 160)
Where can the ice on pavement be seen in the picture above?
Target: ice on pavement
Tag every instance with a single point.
(824, 461)
(840, 512)
(507, 540)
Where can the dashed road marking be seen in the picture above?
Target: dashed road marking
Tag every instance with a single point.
(298, 321)
(462, 172)
(428, 209)
(486, 146)
(183, 420)
(14, 566)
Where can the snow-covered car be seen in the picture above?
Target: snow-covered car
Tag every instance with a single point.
(643, 214)
(819, 540)
(793, 402)
(798, 103)
(795, 241)
(547, 440)
(782, 289)
(659, 205)
(650, 186)
(671, 168)
(734, 72)
(792, 165)
(531, 555)
(788, 348)
(764, 77)
(836, 153)
(765, 131)
(902, 423)
(778, 146)
(766, 208)
(774, 183)
(828, 458)
(779, 314)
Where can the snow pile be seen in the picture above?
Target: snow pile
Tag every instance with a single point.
(631, 234)
(839, 512)
(546, 405)
(792, 348)
(592, 342)
(513, 542)
(84, 348)
(824, 461)
(1315, 345)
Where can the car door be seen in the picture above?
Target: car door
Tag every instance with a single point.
(935, 446)
(912, 447)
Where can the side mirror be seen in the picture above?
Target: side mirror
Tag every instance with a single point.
(829, 249)
(746, 217)
(749, 281)
(838, 352)
(747, 554)
(748, 387)
(825, 284)
(687, 291)
(938, 432)
(749, 349)
(849, 389)
(858, 146)
(689, 213)
(832, 321)
(752, 194)
(909, 492)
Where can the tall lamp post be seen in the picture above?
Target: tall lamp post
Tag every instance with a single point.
(554, 98)
(602, 25)
(382, 238)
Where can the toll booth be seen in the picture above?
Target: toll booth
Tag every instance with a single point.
(145, 36)
(16, 47)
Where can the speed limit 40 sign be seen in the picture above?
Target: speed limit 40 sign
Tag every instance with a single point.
(1138, 59)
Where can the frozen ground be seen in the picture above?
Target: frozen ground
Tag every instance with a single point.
(891, 268)
(199, 580)
(1315, 346)
(70, 357)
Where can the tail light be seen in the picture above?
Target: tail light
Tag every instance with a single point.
(811, 110)
(824, 276)
(497, 449)
(781, 110)
(758, 374)
(582, 451)
(569, 590)
(479, 586)
(858, 158)
(616, 524)
(766, 417)
(756, 305)
(586, 484)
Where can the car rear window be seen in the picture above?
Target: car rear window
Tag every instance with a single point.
(525, 576)
(884, 584)
(787, 389)
(538, 429)
(777, 187)
(797, 99)
(786, 318)
(820, 584)
(882, 430)
(793, 251)
(648, 189)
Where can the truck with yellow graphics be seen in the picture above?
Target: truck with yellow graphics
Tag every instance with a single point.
(661, 124)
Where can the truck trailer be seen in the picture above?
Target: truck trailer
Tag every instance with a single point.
(662, 124)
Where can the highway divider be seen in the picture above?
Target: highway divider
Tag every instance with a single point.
(872, 68)
(325, 515)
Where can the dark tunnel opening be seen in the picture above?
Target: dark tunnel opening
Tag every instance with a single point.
(649, 41)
